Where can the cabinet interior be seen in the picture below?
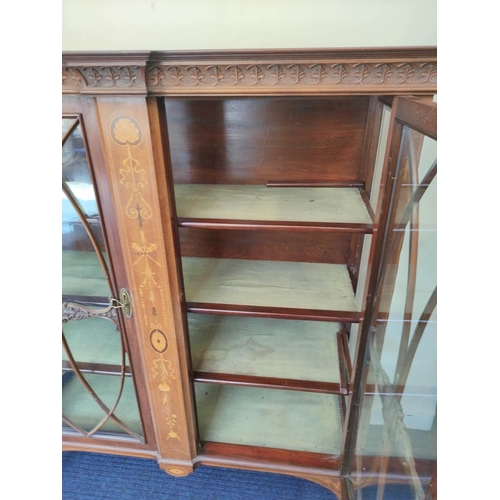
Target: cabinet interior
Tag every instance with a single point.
(272, 201)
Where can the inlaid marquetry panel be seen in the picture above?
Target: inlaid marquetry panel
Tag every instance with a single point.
(131, 170)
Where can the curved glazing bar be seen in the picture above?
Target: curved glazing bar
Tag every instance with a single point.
(397, 429)
(94, 356)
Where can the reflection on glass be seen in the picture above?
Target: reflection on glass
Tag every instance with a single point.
(76, 177)
(66, 124)
(374, 199)
(397, 431)
(83, 274)
(98, 391)
(80, 408)
(379, 160)
(93, 341)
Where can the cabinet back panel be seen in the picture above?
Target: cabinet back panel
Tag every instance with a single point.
(256, 140)
(288, 246)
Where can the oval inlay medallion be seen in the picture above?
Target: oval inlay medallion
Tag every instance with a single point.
(158, 341)
(176, 471)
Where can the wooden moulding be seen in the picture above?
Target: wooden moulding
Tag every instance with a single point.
(99, 368)
(251, 225)
(274, 312)
(419, 114)
(270, 382)
(397, 70)
(320, 468)
(172, 467)
(217, 452)
(316, 467)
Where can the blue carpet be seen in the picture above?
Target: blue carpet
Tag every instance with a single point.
(94, 476)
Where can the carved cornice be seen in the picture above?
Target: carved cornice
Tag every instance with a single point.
(104, 80)
(105, 72)
(369, 71)
(286, 78)
(72, 81)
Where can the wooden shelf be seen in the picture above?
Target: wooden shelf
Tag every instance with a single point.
(261, 352)
(291, 420)
(338, 209)
(293, 290)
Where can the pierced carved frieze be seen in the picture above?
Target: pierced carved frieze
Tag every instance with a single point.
(119, 77)
(336, 77)
(104, 79)
(385, 71)
(72, 80)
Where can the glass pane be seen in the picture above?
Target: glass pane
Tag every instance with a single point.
(94, 363)
(367, 240)
(66, 123)
(397, 431)
(379, 160)
(82, 272)
(93, 340)
(81, 408)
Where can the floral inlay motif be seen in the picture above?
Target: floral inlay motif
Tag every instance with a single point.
(134, 174)
(163, 371)
(125, 132)
(143, 250)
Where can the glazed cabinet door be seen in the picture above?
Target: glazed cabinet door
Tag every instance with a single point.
(120, 283)
(100, 399)
(392, 419)
(96, 371)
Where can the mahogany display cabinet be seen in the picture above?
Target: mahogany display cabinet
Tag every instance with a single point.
(249, 273)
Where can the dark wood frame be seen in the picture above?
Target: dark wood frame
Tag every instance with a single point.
(419, 115)
(76, 107)
(134, 82)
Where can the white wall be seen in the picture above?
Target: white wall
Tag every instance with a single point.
(237, 24)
